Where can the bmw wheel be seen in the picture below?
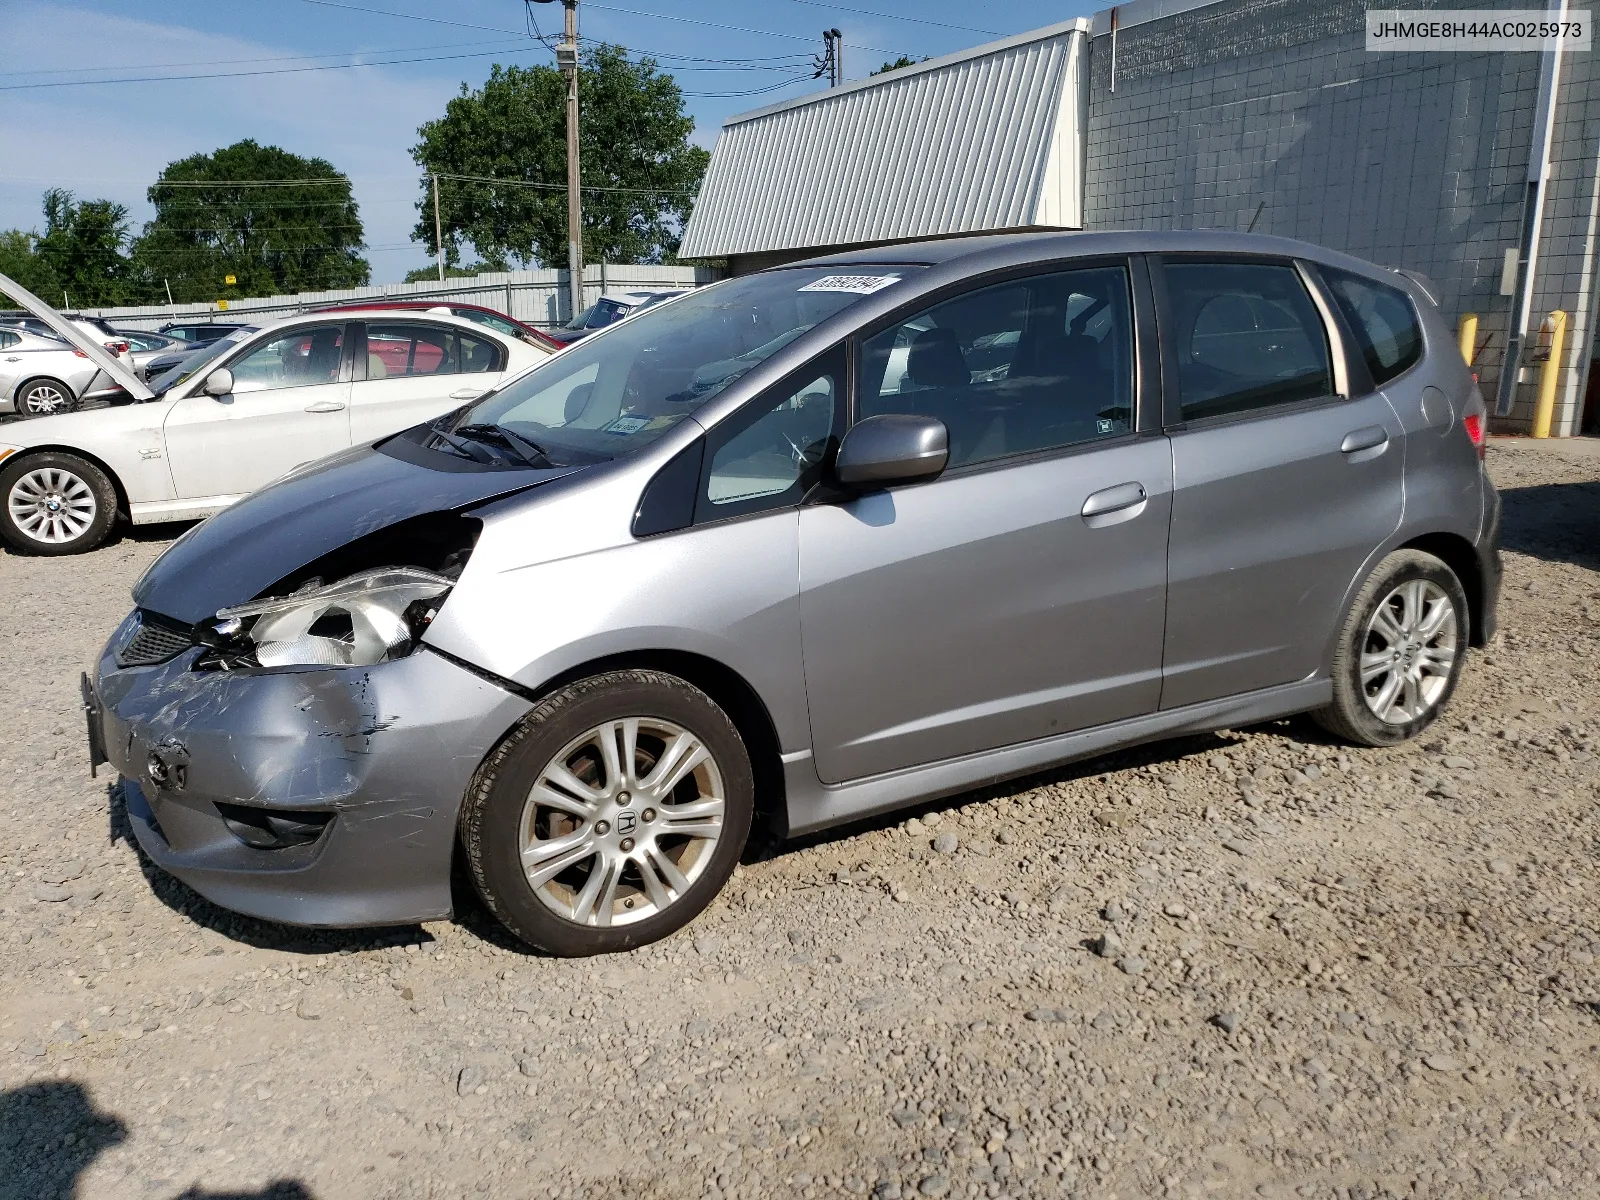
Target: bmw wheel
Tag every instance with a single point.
(55, 504)
(611, 816)
(44, 398)
(1400, 653)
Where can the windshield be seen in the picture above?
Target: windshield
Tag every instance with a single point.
(623, 388)
(194, 362)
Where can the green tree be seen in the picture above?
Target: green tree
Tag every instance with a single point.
(276, 221)
(430, 274)
(79, 254)
(635, 139)
(902, 61)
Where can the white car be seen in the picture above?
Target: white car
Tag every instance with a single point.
(237, 416)
(41, 375)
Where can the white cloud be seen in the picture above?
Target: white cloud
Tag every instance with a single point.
(112, 141)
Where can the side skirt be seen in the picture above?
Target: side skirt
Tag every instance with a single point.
(153, 511)
(814, 805)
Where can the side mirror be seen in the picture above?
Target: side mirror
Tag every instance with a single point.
(892, 448)
(219, 382)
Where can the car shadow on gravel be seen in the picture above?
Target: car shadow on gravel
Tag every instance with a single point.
(1556, 522)
(261, 935)
(1298, 729)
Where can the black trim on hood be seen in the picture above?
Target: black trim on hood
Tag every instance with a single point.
(236, 555)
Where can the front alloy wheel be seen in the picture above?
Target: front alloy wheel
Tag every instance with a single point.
(622, 821)
(611, 815)
(55, 503)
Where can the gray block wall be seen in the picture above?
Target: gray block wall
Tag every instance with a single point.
(1273, 112)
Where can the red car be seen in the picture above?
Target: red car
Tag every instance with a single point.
(470, 312)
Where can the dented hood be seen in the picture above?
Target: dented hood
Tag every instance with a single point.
(237, 554)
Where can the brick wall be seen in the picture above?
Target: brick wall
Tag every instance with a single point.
(1272, 111)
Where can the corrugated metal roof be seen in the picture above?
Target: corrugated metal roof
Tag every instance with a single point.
(988, 139)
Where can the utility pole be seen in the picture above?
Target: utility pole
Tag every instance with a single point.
(831, 63)
(567, 60)
(438, 235)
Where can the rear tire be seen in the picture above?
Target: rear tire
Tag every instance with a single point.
(45, 398)
(611, 816)
(1400, 652)
(55, 503)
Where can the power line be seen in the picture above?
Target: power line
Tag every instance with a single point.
(16, 87)
(214, 62)
(893, 17)
(633, 12)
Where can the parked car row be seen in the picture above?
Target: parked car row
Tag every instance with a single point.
(230, 417)
(803, 547)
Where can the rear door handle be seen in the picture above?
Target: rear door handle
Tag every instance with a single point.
(1111, 505)
(1364, 439)
(325, 406)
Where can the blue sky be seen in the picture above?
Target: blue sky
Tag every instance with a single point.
(111, 139)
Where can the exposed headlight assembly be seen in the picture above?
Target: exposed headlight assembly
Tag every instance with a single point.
(362, 619)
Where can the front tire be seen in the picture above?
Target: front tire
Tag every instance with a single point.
(1400, 653)
(45, 398)
(611, 816)
(55, 503)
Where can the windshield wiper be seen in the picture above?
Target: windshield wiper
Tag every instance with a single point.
(462, 447)
(530, 452)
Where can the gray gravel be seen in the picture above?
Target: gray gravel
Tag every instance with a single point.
(1255, 963)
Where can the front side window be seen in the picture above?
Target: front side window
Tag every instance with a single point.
(1015, 368)
(622, 388)
(1383, 321)
(1248, 337)
(304, 357)
(770, 454)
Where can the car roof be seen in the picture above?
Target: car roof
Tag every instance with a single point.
(978, 252)
(317, 316)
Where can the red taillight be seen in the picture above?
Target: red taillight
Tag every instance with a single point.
(117, 347)
(79, 353)
(1474, 426)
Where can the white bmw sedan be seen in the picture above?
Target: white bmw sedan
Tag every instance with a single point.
(238, 415)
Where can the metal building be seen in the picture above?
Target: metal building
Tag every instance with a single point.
(987, 140)
(1478, 170)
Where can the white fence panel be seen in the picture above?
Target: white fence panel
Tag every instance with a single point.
(538, 297)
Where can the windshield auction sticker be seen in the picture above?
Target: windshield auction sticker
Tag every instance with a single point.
(1477, 29)
(862, 285)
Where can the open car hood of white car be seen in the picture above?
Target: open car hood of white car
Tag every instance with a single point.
(97, 354)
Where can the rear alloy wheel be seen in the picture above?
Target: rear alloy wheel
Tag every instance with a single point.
(611, 816)
(1400, 653)
(55, 504)
(44, 398)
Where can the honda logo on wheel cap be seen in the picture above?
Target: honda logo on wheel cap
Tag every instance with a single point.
(626, 821)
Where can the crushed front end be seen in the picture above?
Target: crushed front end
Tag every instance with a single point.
(309, 794)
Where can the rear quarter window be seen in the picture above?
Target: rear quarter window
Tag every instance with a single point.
(1383, 320)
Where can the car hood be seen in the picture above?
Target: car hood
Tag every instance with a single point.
(244, 549)
(66, 330)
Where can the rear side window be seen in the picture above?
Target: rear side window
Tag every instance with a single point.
(401, 350)
(1383, 320)
(1248, 338)
(8, 340)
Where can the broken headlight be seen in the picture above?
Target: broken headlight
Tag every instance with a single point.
(360, 620)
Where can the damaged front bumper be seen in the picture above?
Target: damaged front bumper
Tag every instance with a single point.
(309, 796)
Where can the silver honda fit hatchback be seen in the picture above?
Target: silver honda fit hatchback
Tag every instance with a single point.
(802, 547)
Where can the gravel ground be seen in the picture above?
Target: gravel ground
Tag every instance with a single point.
(1256, 962)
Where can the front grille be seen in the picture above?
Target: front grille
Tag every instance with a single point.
(153, 644)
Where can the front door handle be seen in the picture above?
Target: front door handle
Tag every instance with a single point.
(1112, 505)
(1364, 439)
(325, 406)
(467, 393)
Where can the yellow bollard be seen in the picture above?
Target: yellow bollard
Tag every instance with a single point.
(1555, 326)
(1467, 336)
